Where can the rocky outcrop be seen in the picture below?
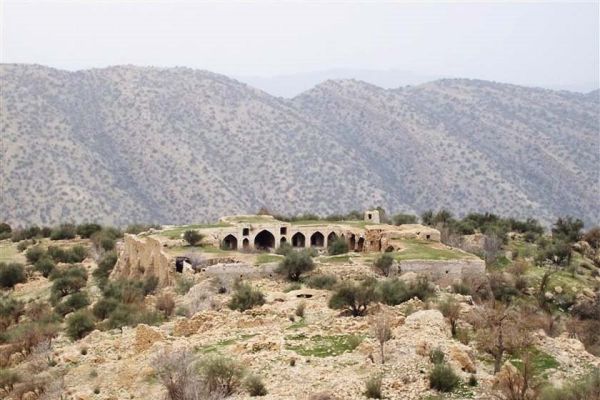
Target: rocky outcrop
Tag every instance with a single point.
(142, 257)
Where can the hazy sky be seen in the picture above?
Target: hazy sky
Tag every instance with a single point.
(530, 43)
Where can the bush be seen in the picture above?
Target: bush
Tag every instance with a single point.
(401, 219)
(45, 266)
(5, 228)
(300, 309)
(74, 302)
(150, 284)
(106, 238)
(104, 307)
(24, 234)
(192, 237)
(338, 246)
(322, 282)
(165, 304)
(284, 249)
(295, 264)
(87, 230)
(394, 291)
(34, 254)
(63, 232)
(73, 255)
(245, 297)
(125, 291)
(384, 263)
(373, 388)
(436, 356)
(80, 324)
(255, 386)
(135, 229)
(105, 266)
(586, 388)
(11, 274)
(443, 378)
(221, 375)
(183, 284)
(354, 297)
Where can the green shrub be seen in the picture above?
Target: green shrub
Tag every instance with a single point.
(63, 232)
(192, 237)
(80, 324)
(284, 249)
(33, 254)
(384, 263)
(122, 315)
(354, 297)
(106, 238)
(136, 229)
(373, 387)
(125, 291)
(10, 311)
(443, 378)
(183, 284)
(88, 229)
(338, 246)
(295, 264)
(394, 291)
(255, 386)
(436, 356)
(245, 297)
(24, 234)
(73, 302)
(67, 282)
(322, 282)
(585, 388)
(11, 274)
(8, 379)
(45, 266)
(401, 219)
(24, 244)
(150, 285)
(105, 266)
(72, 255)
(5, 228)
(104, 307)
(221, 375)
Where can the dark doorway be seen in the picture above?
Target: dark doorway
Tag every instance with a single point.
(179, 263)
(298, 240)
(331, 238)
(230, 243)
(361, 244)
(245, 244)
(264, 240)
(352, 243)
(317, 239)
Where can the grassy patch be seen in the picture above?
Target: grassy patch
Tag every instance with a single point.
(267, 258)
(175, 233)
(423, 250)
(322, 346)
(9, 253)
(217, 347)
(298, 324)
(343, 258)
(540, 361)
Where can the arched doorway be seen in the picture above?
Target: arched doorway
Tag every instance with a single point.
(298, 240)
(283, 240)
(317, 239)
(352, 242)
(332, 237)
(245, 244)
(264, 240)
(360, 244)
(230, 243)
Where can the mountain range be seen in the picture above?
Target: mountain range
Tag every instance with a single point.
(175, 145)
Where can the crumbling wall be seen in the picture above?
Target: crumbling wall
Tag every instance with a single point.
(141, 257)
(444, 269)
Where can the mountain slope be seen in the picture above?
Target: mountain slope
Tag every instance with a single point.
(125, 144)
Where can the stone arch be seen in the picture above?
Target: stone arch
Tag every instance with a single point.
(264, 240)
(317, 239)
(298, 240)
(245, 244)
(332, 237)
(360, 245)
(230, 242)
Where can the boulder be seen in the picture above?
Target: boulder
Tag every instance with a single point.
(145, 337)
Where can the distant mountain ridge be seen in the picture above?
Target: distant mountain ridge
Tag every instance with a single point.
(174, 145)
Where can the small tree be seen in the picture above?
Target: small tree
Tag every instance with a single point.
(80, 324)
(11, 274)
(401, 219)
(384, 263)
(353, 296)
(192, 237)
(295, 264)
(63, 232)
(382, 331)
(245, 297)
(567, 229)
(338, 246)
(451, 310)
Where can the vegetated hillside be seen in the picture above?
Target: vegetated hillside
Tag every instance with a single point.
(126, 144)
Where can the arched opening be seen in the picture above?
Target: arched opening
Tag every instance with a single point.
(317, 239)
(282, 240)
(230, 243)
(360, 245)
(179, 261)
(352, 242)
(298, 240)
(264, 240)
(245, 244)
(331, 238)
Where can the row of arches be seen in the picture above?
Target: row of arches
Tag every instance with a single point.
(265, 240)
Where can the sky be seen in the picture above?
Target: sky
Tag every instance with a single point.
(536, 43)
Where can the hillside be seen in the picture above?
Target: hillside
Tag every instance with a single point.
(125, 144)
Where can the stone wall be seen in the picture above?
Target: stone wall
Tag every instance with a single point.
(141, 257)
(444, 269)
